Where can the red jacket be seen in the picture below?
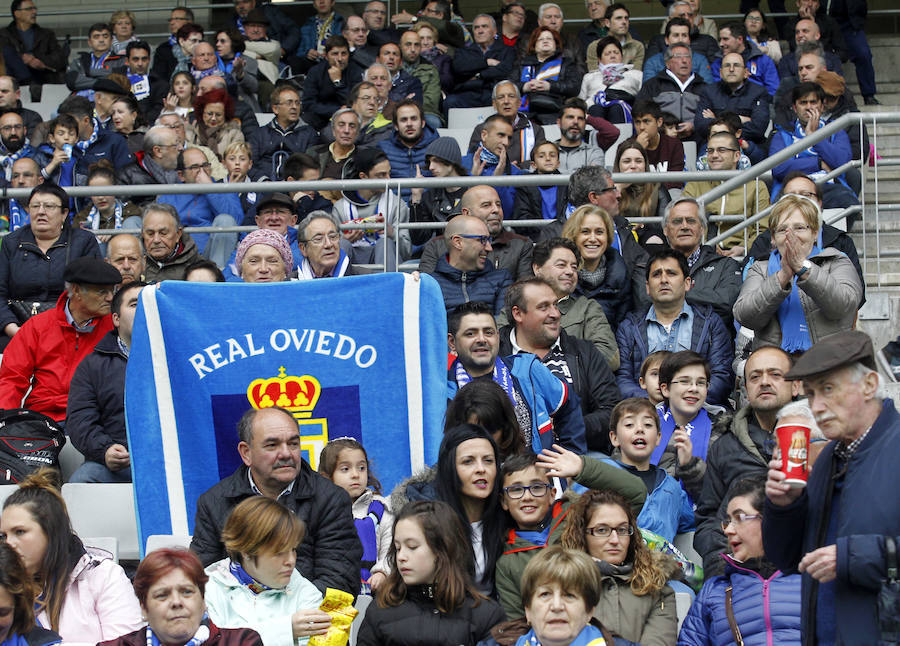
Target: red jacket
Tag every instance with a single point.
(46, 351)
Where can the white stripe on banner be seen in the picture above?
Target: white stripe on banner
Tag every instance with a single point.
(412, 354)
(166, 408)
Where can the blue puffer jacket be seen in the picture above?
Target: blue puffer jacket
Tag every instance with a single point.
(487, 285)
(766, 609)
(667, 511)
(555, 408)
(614, 295)
(709, 338)
(403, 158)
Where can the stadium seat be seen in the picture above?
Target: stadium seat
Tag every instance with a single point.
(625, 131)
(685, 544)
(682, 605)
(264, 117)
(53, 94)
(468, 117)
(70, 459)
(107, 543)
(157, 541)
(362, 602)
(552, 132)
(462, 136)
(690, 155)
(5, 492)
(84, 501)
(25, 93)
(44, 108)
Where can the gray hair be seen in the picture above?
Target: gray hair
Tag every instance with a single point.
(373, 66)
(811, 47)
(154, 137)
(504, 82)
(587, 180)
(160, 207)
(486, 15)
(245, 424)
(670, 50)
(679, 3)
(341, 111)
(549, 5)
(701, 211)
(860, 370)
(800, 408)
(318, 214)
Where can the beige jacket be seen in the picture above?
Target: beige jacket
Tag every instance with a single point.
(632, 52)
(737, 202)
(829, 293)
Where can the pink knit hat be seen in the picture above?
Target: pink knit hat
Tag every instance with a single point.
(268, 237)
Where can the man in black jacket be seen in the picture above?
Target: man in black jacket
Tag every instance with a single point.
(327, 84)
(280, 26)
(11, 99)
(269, 446)
(480, 65)
(273, 143)
(95, 416)
(32, 53)
(744, 448)
(531, 305)
(164, 62)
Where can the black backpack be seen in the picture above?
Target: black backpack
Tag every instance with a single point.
(28, 441)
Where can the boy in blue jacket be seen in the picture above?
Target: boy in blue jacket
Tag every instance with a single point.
(635, 431)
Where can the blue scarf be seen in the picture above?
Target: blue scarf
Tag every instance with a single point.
(489, 158)
(18, 217)
(589, 636)
(140, 86)
(15, 639)
(698, 428)
(245, 579)
(502, 377)
(794, 328)
(367, 530)
(548, 201)
(305, 271)
(240, 26)
(93, 217)
(87, 143)
(7, 159)
(548, 71)
(199, 637)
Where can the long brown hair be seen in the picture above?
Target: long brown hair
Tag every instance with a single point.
(39, 495)
(638, 200)
(646, 576)
(452, 548)
(15, 580)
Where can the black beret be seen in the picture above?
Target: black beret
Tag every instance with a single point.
(109, 86)
(833, 352)
(91, 271)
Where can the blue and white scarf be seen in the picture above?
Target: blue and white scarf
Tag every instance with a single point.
(245, 579)
(699, 430)
(489, 158)
(94, 216)
(501, 376)
(7, 159)
(794, 327)
(18, 217)
(140, 86)
(240, 26)
(367, 530)
(87, 143)
(589, 636)
(548, 71)
(305, 271)
(199, 637)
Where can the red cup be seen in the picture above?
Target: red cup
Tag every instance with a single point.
(793, 442)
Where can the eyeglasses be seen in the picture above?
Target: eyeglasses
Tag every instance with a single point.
(796, 228)
(721, 151)
(602, 531)
(687, 382)
(288, 103)
(608, 188)
(754, 18)
(538, 490)
(43, 206)
(688, 221)
(12, 128)
(320, 239)
(482, 240)
(195, 167)
(739, 520)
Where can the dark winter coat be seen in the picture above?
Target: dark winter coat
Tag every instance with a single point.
(615, 294)
(487, 285)
(95, 416)
(217, 637)
(322, 96)
(717, 282)
(663, 89)
(709, 338)
(329, 554)
(549, 103)
(436, 205)
(511, 252)
(271, 145)
(405, 159)
(749, 100)
(470, 61)
(529, 206)
(46, 48)
(281, 27)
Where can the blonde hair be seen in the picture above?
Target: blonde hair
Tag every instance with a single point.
(118, 15)
(260, 525)
(571, 570)
(576, 221)
(786, 206)
(238, 147)
(426, 25)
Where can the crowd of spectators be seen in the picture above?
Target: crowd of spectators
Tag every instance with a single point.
(612, 384)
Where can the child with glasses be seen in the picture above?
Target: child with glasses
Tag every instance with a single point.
(686, 420)
(635, 432)
(536, 515)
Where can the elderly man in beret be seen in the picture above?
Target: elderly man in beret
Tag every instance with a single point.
(837, 529)
(44, 353)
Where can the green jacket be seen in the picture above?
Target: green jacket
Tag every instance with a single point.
(431, 84)
(594, 475)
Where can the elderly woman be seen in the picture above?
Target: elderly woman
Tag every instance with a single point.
(257, 586)
(84, 595)
(762, 600)
(561, 589)
(217, 128)
(123, 25)
(264, 256)
(802, 292)
(17, 592)
(636, 604)
(609, 91)
(187, 37)
(128, 121)
(546, 78)
(602, 273)
(32, 259)
(169, 585)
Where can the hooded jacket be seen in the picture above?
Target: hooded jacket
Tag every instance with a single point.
(709, 338)
(406, 159)
(830, 293)
(749, 100)
(271, 144)
(592, 380)
(510, 251)
(668, 509)
(487, 285)
(663, 89)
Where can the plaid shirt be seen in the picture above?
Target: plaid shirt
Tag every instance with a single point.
(846, 451)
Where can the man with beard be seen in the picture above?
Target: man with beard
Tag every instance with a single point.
(574, 150)
(426, 73)
(744, 447)
(405, 149)
(509, 251)
(13, 142)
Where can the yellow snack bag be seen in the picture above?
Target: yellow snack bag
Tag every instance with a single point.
(339, 605)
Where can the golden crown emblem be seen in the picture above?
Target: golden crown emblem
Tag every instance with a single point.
(296, 394)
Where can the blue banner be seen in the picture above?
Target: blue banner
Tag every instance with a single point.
(359, 356)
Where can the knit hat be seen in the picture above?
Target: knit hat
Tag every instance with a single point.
(447, 150)
(267, 237)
